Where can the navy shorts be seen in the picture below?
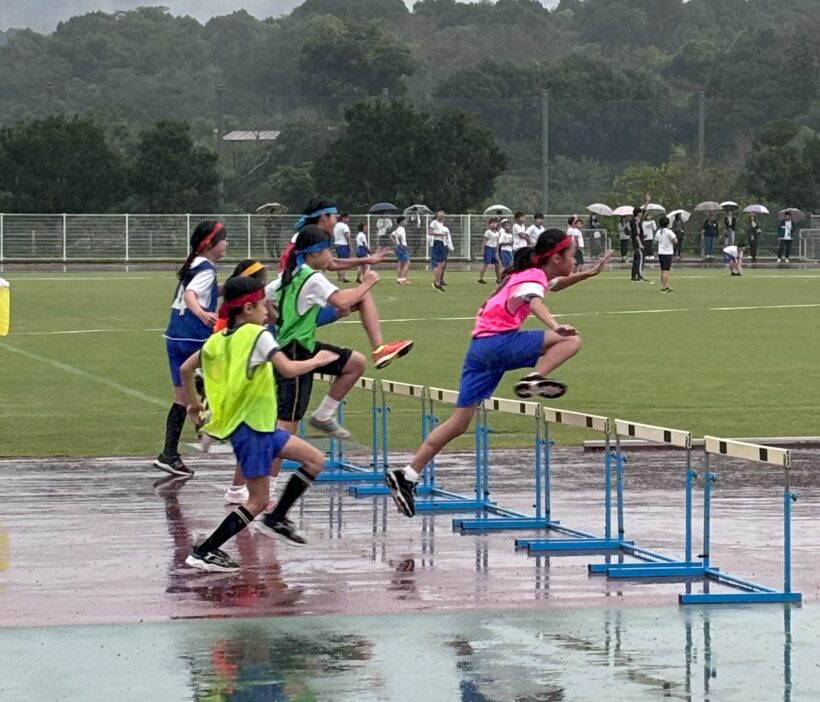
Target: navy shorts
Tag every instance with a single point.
(438, 254)
(342, 251)
(728, 258)
(506, 257)
(402, 254)
(178, 353)
(666, 261)
(489, 255)
(361, 252)
(489, 357)
(255, 450)
(579, 257)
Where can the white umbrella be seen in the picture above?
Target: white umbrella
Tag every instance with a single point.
(729, 204)
(756, 209)
(796, 214)
(654, 207)
(271, 208)
(418, 209)
(707, 206)
(498, 210)
(623, 211)
(684, 215)
(599, 208)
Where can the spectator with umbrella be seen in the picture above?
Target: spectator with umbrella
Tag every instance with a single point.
(729, 222)
(710, 232)
(753, 229)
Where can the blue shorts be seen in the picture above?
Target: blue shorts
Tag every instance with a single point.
(579, 257)
(728, 258)
(489, 255)
(255, 450)
(327, 315)
(402, 254)
(342, 251)
(438, 253)
(506, 257)
(489, 357)
(178, 353)
(361, 252)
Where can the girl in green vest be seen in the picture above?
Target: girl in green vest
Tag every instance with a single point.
(237, 365)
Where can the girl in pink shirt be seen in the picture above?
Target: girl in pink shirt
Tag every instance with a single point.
(499, 345)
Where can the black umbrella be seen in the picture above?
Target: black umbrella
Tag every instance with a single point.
(383, 208)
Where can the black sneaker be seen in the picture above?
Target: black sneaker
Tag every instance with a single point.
(402, 491)
(284, 529)
(438, 287)
(483, 282)
(173, 465)
(536, 384)
(212, 561)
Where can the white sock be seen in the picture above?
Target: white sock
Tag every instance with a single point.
(327, 408)
(410, 474)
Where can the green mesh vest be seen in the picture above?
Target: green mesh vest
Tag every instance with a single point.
(292, 327)
(235, 394)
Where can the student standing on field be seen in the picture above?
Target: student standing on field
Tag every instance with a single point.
(573, 230)
(193, 315)
(490, 251)
(341, 241)
(666, 250)
(499, 345)
(636, 235)
(439, 251)
(362, 251)
(399, 238)
(519, 232)
(505, 245)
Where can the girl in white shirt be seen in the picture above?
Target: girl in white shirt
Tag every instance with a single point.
(490, 253)
(361, 251)
(666, 249)
(399, 237)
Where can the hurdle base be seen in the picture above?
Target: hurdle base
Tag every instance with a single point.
(502, 523)
(666, 571)
(340, 472)
(572, 545)
(739, 597)
(376, 490)
(453, 504)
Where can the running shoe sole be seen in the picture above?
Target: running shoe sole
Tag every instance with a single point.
(209, 567)
(385, 360)
(551, 389)
(398, 498)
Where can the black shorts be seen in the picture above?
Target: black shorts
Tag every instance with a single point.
(293, 394)
(666, 261)
(579, 257)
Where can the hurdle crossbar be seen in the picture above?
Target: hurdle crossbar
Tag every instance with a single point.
(750, 591)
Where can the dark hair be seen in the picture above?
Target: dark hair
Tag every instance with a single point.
(571, 221)
(538, 215)
(203, 229)
(361, 226)
(663, 221)
(518, 214)
(741, 244)
(316, 203)
(343, 215)
(399, 220)
(307, 237)
(236, 287)
(493, 219)
(524, 256)
(637, 211)
(261, 274)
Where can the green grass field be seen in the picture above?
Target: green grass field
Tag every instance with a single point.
(84, 372)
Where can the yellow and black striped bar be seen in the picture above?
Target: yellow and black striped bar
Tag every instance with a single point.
(575, 419)
(364, 383)
(405, 389)
(750, 452)
(500, 404)
(649, 432)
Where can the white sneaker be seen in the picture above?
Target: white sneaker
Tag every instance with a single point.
(778, 260)
(787, 260)
(236, 495)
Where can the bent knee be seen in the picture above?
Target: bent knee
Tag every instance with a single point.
(356, 363)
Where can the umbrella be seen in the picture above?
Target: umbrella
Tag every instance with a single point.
(756, 209)
(729, 205)
(796, 214)
(418, 210)
(708, 206)
(498, 210)
(684, 215)
(599, 208)
(654, 207)
(271, 208)
(383, 207)
(623, 210)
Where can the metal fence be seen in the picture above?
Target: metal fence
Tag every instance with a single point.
(148, 237)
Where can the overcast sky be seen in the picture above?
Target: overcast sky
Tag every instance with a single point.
(43, 15)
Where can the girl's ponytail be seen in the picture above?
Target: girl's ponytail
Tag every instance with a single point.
(206, 235)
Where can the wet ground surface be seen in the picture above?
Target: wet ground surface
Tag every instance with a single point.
(86, 544)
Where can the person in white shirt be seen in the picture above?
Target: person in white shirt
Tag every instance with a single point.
(666, 250)
(535, 229)
(505, 244)
(439, 251)
(733, 255)
(341, 242)
(519, 232)
(383, 226)
(649, 228)
(490, 253)
(573, 230)
(399, 239)
(362, 251)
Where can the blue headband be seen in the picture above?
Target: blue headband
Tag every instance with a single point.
(313, 248)
(317, 213)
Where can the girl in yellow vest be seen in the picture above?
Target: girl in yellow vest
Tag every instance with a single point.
(237, 365)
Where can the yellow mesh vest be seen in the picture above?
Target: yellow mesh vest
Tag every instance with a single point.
(235, 396)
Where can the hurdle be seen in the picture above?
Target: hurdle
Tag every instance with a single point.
(752, 591)
(581, 541)
(337, 467)
(659, 566)
(392, 387)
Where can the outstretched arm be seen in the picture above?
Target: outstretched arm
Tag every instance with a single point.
(563, 282)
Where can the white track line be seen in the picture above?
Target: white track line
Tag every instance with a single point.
(67, 279)
(131, 392)
(87, 331)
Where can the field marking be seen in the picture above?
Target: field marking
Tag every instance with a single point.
(64, 280)
(87, 331)
(131, 392)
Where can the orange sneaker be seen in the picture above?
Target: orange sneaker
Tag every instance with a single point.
(383, 355)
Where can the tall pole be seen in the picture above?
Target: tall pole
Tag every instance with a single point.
(545, 150)
(701, 129)
(220, 91)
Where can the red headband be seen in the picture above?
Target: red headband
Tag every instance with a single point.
(239, 302)
(560, 246)
(209, 238)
